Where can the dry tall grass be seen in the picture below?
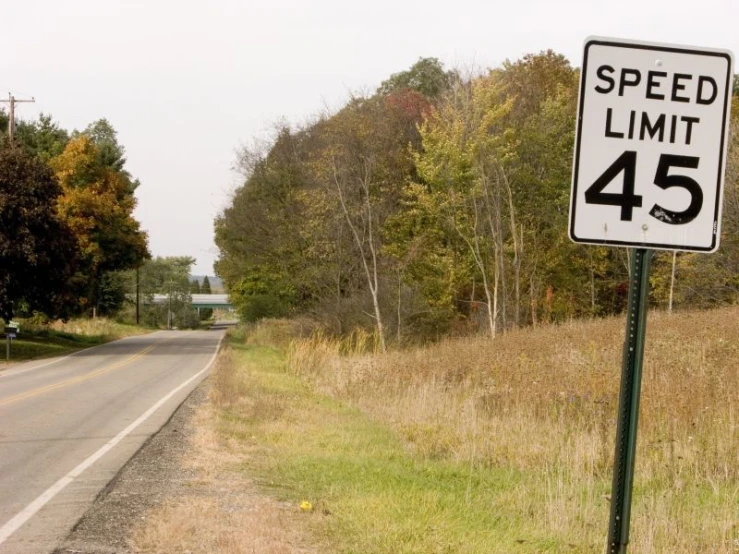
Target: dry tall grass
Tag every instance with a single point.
(100, 326)
(275, 333)
(220, 510)
(544, 401)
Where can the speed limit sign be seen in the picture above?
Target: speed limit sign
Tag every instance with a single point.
(650, 152)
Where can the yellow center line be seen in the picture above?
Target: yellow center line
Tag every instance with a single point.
(80, 379)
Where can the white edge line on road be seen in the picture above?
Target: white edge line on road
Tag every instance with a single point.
(29, 511)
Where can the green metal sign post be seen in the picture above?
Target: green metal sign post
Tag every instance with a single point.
(615, 201)
(628, 405)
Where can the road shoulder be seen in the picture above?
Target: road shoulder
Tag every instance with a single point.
(182, 492)
(152, 475)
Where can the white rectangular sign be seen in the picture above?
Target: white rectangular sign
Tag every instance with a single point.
(650, 152)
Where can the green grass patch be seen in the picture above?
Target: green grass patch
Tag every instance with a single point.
(44, 341)
(369, 493)
(471, 445)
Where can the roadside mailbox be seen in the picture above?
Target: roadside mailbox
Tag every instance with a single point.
(11, 332)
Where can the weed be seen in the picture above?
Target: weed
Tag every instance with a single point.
(543, 402)
(59, 338)
(475, 446)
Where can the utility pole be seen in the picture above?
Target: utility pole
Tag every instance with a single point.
(12, 100)
(672, 280)
(138, 296)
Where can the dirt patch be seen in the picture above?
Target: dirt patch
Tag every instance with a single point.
(182, 493)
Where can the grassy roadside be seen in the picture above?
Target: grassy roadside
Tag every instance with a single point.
(318, 475)
(367, 492)
(541, 403)
(59, 339)
(465, 447)
(220, 509)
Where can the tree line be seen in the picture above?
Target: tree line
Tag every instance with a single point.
(169, 276)
(67, 230)
(436, 205)
(69, 244)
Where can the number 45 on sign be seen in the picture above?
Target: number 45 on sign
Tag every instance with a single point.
(650, 151)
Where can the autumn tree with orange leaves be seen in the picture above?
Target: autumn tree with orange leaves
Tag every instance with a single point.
(97, 203)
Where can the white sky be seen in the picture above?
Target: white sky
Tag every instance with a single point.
(186, 83)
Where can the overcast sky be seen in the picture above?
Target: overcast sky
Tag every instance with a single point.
(186, 83)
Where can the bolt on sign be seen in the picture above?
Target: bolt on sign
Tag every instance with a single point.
(650, 151)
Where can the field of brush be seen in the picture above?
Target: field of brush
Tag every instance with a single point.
(474, 446)
(543, 402)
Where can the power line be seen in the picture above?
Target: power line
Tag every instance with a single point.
(12, 100)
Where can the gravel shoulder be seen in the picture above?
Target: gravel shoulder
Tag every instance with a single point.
(185, 491)
(153, 475)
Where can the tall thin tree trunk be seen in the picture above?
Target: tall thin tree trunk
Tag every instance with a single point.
(370, 273)
(380, 326)
(517, 276)
(474, 246)
(517, 246)
(532, 291)
(496, 295)
(400, 290)
(500, 247)
(592, 284)
(492, 298)
(493, 212)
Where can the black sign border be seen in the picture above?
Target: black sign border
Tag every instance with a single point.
(722, 149)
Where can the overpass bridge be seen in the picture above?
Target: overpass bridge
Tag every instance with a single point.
(218, 302)
(212, 301)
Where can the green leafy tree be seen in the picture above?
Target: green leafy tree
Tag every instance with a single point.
(426, 76)
(43, 138)
(265, 232)
(494, 187)
(168, 276)
(205, 288)
(440, 204)
(97, 204)
(256, 297)
(206, 313)
(468, 191)
(37, 250)
(195, 287)
(111, 295)
(360, 171)
(109, 152)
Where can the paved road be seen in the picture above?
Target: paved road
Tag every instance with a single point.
(67, 426)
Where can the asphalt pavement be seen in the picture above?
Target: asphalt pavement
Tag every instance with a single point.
(68, 425)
